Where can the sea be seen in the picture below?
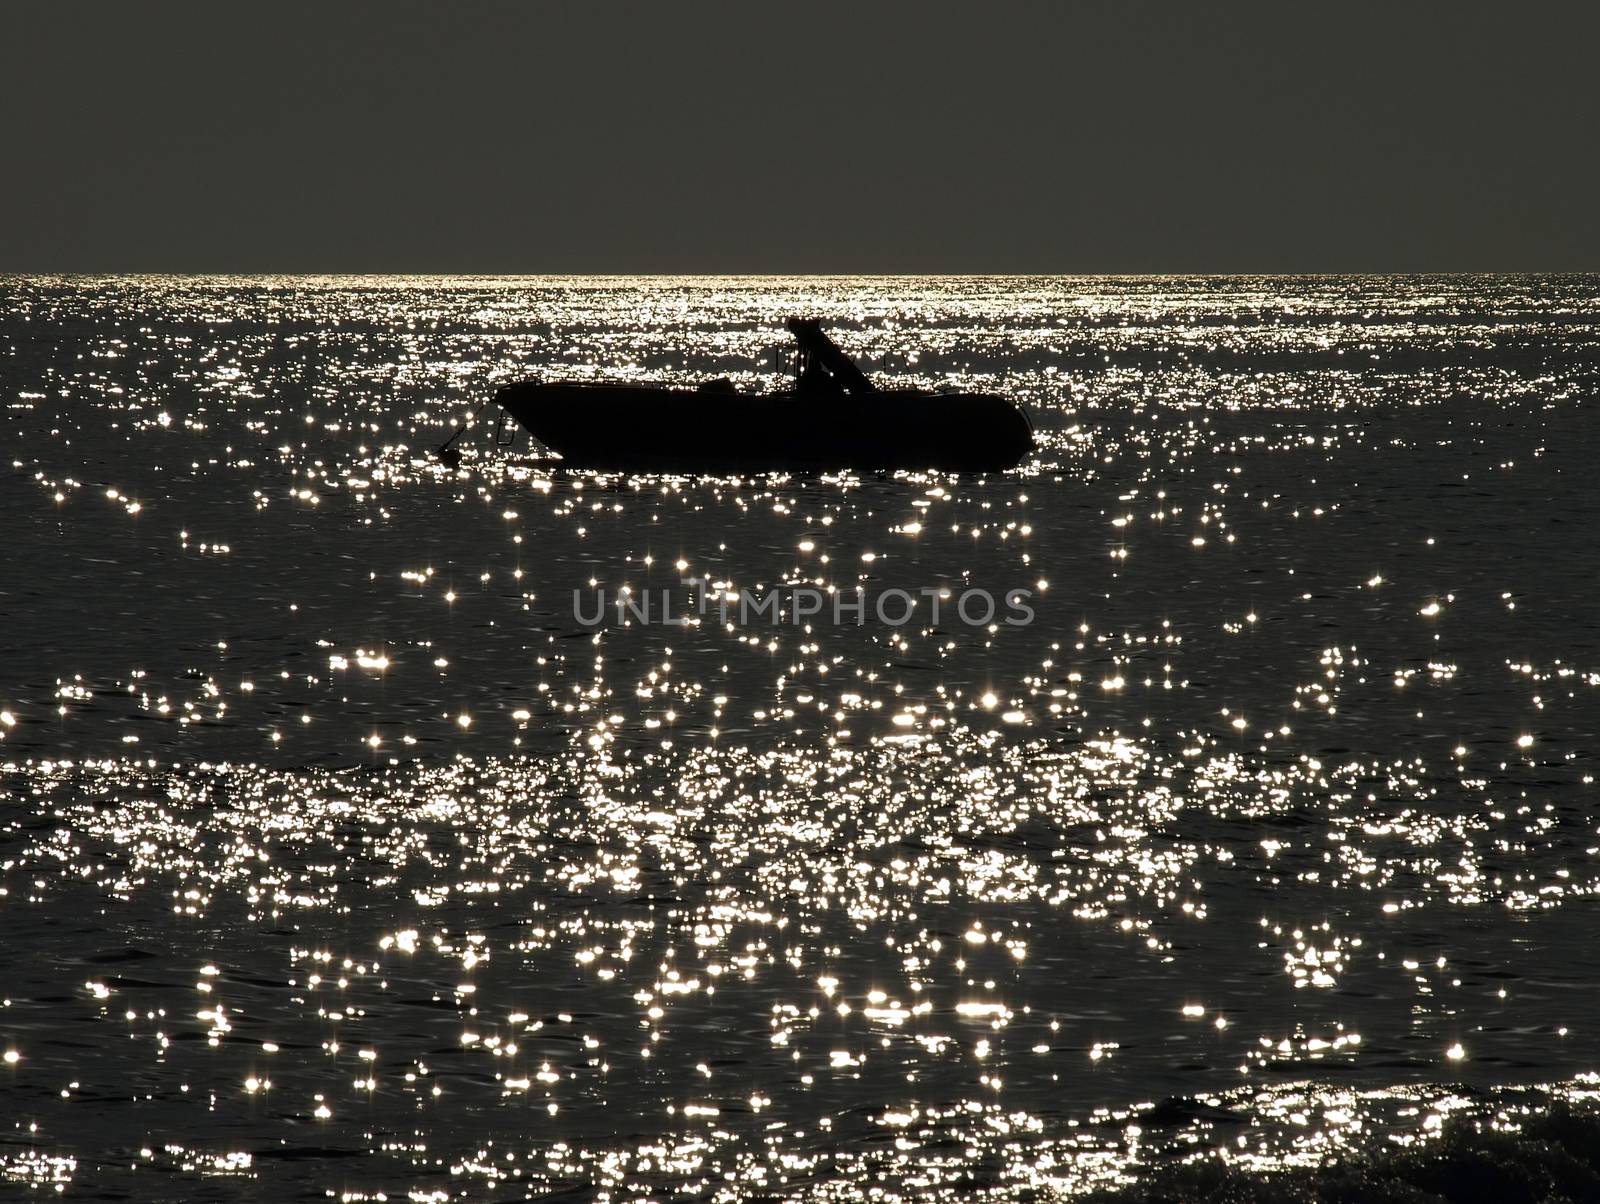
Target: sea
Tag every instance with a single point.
(375, 828)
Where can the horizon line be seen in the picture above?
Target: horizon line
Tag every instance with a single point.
(235, 273)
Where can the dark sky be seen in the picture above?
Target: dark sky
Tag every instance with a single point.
(804, 137)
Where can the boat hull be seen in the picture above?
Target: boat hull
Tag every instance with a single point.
(613, 427)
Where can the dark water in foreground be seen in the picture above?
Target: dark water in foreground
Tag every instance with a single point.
(338, 860)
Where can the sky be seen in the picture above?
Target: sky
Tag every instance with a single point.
(862, 137)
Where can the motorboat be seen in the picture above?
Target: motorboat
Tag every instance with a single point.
(832, 418)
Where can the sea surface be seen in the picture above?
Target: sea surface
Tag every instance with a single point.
(340, 860)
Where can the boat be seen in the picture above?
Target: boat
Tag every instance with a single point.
(832, 418)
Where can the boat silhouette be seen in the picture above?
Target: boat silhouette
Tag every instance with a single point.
(832, 418)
